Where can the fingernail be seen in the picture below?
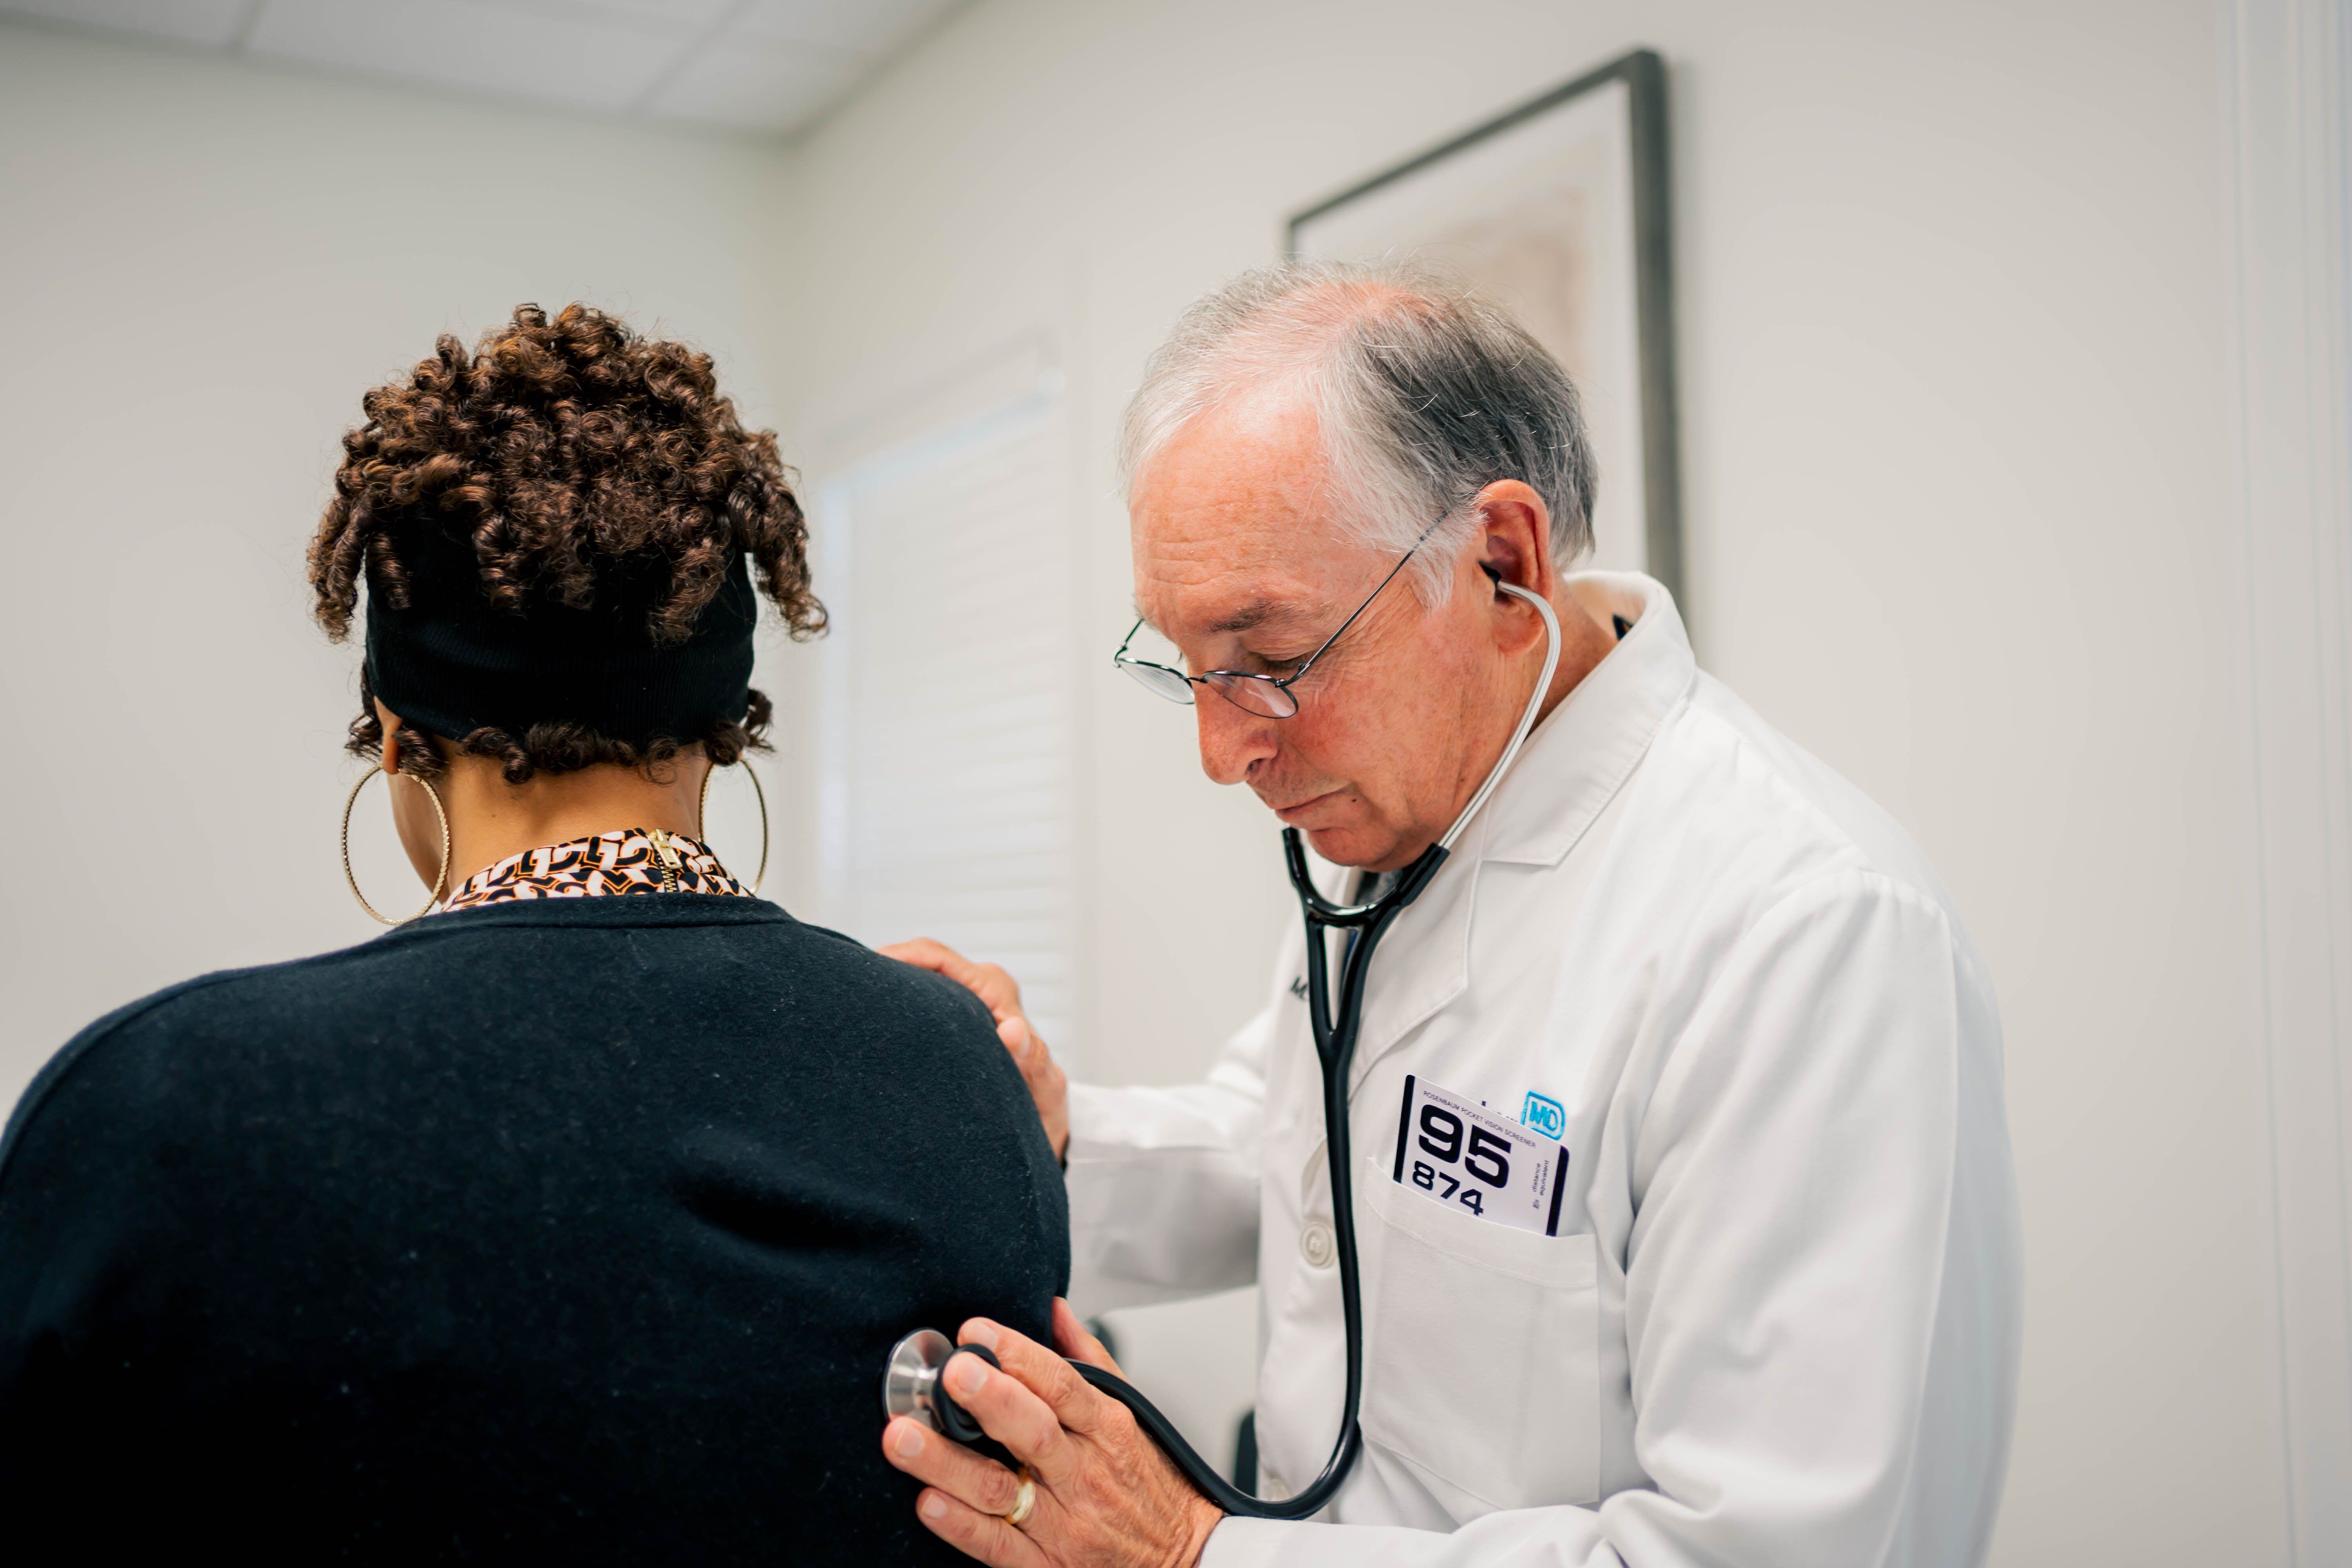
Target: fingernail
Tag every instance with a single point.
(980, 1331)
(910, 1440)
(934, 1506)
(969, 1372)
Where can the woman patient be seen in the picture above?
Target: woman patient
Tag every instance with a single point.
(572, 1221)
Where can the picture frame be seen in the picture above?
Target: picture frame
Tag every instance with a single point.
(1560, 209)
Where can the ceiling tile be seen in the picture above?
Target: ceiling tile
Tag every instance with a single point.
(766, 66)
(185, 21)
(685, 19)
(500, 50)
(755, 86)
(859, 26)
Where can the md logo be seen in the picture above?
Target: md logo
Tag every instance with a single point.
(1544, 1115)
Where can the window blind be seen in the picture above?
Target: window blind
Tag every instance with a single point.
(946, 803)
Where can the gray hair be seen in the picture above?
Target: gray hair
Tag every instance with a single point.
(1425, 392)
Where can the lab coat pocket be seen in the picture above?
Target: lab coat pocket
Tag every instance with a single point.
(1483, 1364)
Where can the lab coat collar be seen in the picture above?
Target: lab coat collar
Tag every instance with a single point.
(1577, 759)
(1571, 767)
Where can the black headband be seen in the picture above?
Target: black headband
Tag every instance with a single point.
(453, 662)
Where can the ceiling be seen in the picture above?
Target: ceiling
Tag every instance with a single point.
(768, 66)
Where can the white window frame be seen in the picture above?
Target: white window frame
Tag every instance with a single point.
(2290, 256)
(1013, 393)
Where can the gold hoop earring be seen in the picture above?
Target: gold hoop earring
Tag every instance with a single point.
(440, 878)
(701, 815)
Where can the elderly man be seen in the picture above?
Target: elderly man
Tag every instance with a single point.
(1768, 1314)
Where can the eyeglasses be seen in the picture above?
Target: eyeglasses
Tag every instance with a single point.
(1265, 695)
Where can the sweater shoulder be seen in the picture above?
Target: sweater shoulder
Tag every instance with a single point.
(123, 1076)
(154, 1020)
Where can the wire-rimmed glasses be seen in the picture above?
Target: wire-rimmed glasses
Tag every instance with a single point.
(1267, 696)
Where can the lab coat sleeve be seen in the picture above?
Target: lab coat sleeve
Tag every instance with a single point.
(1820, 1279)
(1164, 1182)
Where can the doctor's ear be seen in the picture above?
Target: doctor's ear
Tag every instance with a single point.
(1515, 545)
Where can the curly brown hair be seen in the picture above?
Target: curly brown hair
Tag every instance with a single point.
(564, 448)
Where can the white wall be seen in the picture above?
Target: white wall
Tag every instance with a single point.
(202, 267)
(1951, 305)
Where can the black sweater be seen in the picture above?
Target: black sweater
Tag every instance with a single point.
(567, 1231)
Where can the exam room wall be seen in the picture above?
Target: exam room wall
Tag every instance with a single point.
(202, 267)
(1951, 310)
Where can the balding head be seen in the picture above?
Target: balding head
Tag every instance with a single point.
(1422, 394)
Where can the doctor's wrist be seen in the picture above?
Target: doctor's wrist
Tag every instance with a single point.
(1206, 1515)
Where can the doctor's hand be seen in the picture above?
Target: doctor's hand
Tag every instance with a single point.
(1106, 1496)
(1001, 993)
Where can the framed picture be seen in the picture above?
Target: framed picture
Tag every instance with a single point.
(1557, 209)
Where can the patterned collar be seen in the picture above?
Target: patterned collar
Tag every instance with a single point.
(633, 860)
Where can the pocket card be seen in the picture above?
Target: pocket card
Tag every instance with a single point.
(1464, 1156)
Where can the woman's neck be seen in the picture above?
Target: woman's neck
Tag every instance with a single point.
(490, 819)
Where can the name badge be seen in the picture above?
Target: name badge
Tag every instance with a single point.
(1464, 1156)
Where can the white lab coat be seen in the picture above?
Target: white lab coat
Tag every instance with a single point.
(1778, 1323)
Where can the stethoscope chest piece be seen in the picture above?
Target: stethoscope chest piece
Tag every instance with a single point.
(910, 1383)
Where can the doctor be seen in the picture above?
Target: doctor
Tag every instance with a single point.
(1774, 1319)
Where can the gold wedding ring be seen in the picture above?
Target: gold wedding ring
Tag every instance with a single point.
(1022, 1500)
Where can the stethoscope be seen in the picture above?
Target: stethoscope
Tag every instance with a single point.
(910, 1383)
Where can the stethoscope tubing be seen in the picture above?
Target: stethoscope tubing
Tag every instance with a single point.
(1335, 1027)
